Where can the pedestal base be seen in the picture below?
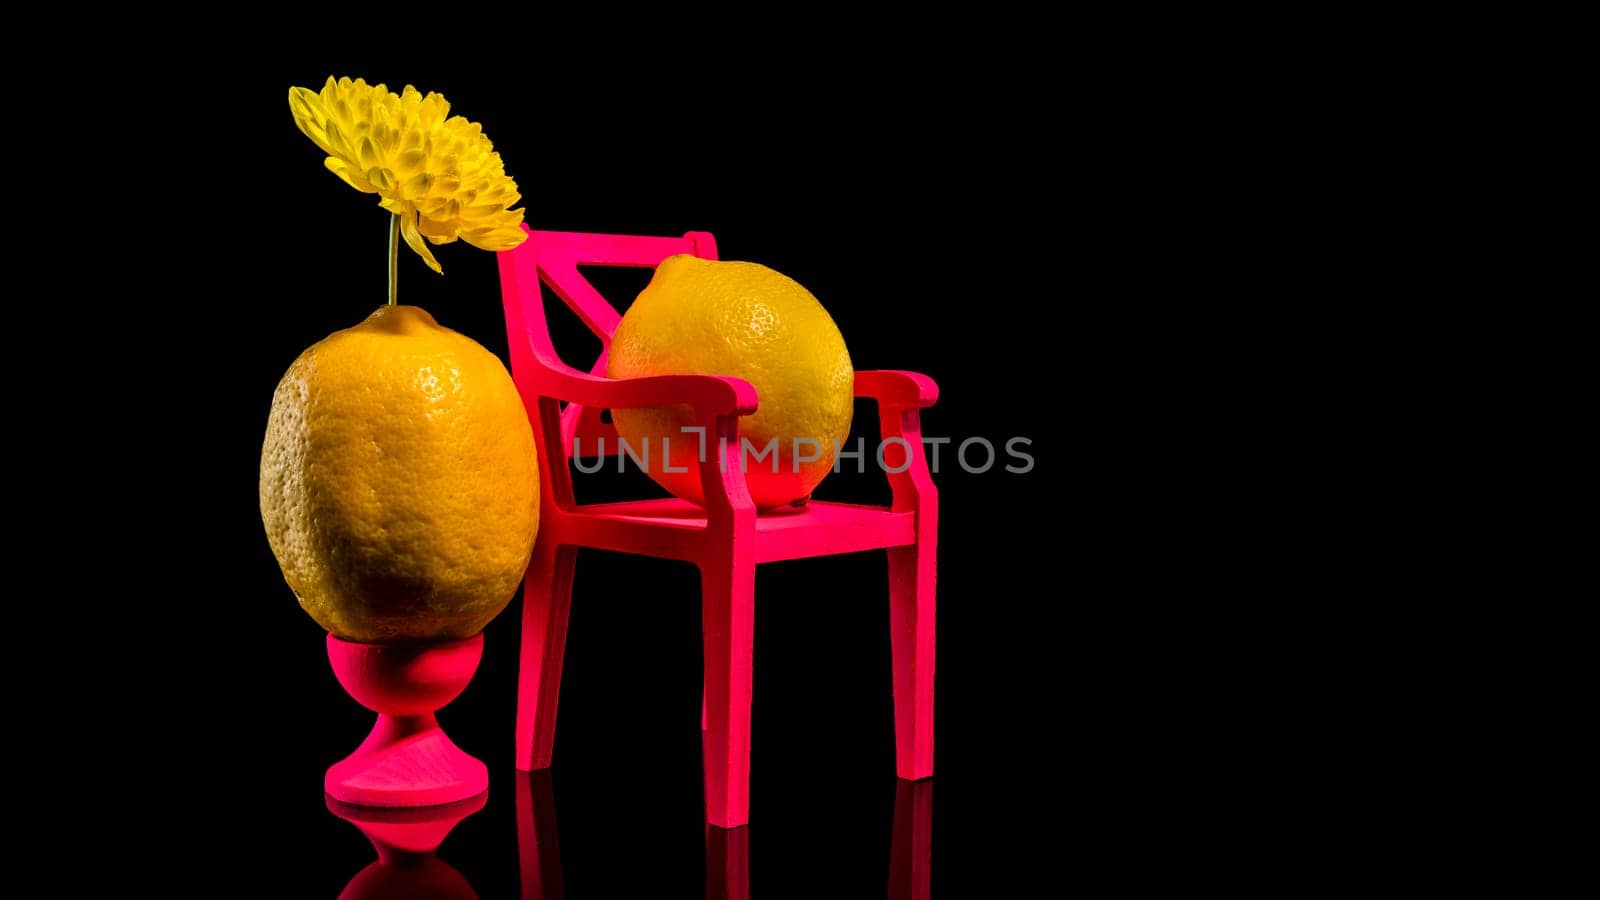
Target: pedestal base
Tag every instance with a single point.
(406, 762)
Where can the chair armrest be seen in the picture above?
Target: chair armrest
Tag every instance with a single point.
(895, 388)
(901, 398)
(710, 395)
(718, 402)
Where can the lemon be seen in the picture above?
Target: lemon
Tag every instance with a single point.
(399, 485)
(710, 317)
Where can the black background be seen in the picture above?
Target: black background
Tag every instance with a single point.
(924, 212)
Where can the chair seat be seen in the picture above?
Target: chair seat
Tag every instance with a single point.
(672, 527)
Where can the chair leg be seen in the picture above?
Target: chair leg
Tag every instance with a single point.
(911, 627)
(546, 600)
(728, 622)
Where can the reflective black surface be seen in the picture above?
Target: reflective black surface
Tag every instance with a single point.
(459, 850)
(624, 797)
(620, 813)
(230, 694)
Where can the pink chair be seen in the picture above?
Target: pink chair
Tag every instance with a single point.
(727, 539)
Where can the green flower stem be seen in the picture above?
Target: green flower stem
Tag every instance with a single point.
(394, 257)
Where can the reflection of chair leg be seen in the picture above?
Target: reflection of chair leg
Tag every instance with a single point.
(546, 599)
(729, 629)
(911, 641)
(728, 863)
(911, 850)
(538, 848)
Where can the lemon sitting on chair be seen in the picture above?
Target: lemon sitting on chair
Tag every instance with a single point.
(710, 317)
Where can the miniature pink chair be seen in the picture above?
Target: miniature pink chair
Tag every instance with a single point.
(727, 539)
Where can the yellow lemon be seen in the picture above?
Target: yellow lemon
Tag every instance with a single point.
(399, 485)
(709, 317)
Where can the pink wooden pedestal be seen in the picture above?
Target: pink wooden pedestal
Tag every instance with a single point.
(407, 760)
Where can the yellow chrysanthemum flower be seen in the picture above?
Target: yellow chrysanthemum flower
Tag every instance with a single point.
(437, 173)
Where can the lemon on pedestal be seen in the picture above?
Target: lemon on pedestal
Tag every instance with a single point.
(399, 482)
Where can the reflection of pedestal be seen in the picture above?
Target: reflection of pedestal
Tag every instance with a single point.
(407, 841)
(727, 849)
(407, 760)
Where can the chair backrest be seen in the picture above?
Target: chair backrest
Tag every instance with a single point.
(552, 258)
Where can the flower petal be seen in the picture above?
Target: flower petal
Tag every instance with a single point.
(408, 230)
(437, 230)
(410, 162)
(368, 154)
(350, 176)
(337, 144)
(417, 186)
